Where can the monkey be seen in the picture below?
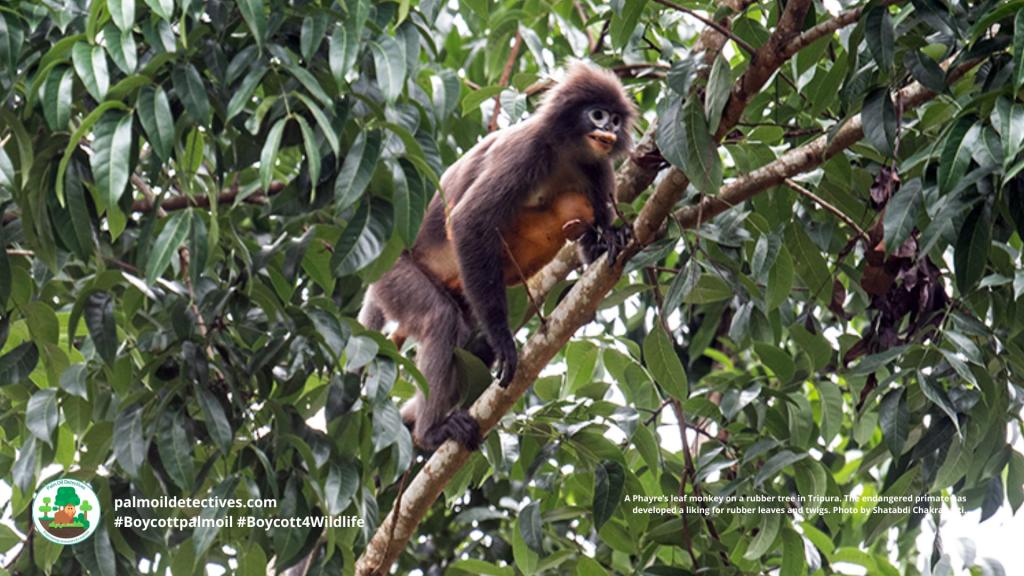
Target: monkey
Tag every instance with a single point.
(506, 208)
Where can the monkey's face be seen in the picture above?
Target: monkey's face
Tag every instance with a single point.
(603, 130)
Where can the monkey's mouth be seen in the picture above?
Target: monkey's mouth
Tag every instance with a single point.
(602, 141)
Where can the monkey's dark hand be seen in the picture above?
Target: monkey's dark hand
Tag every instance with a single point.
(507, 360)
(615, 240)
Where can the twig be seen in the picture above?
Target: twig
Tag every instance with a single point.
(522, 277)
(147, 194)
(591, 41)
(711, 23)
(506, 74)
(824, 204)
(601, 37)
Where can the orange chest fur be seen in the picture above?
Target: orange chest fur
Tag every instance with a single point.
(537, 234)
(531, 239)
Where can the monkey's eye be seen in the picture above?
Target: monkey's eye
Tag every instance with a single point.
(598, 116)
(616, 121)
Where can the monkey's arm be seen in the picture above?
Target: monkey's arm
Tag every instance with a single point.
(492, 201)
(603, 237)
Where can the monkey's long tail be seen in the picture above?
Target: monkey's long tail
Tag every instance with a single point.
(371, 315)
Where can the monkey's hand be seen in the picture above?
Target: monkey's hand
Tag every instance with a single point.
(597, 241)
(615, 240)
(507, 359)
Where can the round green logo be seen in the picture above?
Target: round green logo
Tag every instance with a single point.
(66, 511)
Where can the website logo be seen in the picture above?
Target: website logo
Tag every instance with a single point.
(66, 511)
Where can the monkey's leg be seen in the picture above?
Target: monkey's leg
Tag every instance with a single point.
(435, 422)
(433, 318)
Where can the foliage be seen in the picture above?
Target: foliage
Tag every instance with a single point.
(195, 194)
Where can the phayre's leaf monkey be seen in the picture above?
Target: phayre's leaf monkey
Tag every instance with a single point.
(513, 201)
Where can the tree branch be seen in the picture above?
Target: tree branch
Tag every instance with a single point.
(821, 202)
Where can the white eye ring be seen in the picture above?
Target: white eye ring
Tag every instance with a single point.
(616, 121)
(599, 117)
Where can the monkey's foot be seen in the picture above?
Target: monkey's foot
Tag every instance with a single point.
(459, 426)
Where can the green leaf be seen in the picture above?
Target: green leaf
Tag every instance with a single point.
(310, 83)
(192, 92)
(174, 232)
(344, 44)
(5, 284)
(972, 248)
(717, 93)
(129, 442)
(162, 8)
(312, 150)
(831, 409)
(526, 560)
(216, 422)
(661, 359)
(1015, 474)
(709, 288)
(175, 447)
(793, 560)
(314, 28)
(780, 280)
(956, 154)
(809, 264)
(926, 71)
(41, 414)
(122, 12)
(780, 362)
(155, 115)
(243, 94)
(879, 117)
(111, 159)
(474, 98)
(955, 465)
(878, 32)
(894, 418)
(767, 530)
(530, 527)
(901, 214)
(1008, 118)
(57, 98)
(623, 24)
(91, 67)
(8, 538)
(322, 122)
(580, 360)
(268, 156)
(389, 61)
(703, 166)
(1018, 50)
(16, 365)
(362, 240)
(255, 18)
(340, 486)
(121, 46)
(99, 319)
(357, 169)
(609, 482)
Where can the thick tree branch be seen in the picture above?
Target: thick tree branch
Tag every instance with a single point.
(800, 159)
(764, 63)
(826, 28)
